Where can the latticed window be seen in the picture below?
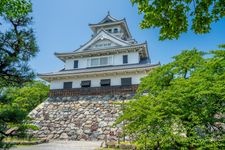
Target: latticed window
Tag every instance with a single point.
(95, 62)
(104, 61)
(100, 61)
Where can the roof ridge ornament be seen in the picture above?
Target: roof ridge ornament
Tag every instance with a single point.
(101, 37)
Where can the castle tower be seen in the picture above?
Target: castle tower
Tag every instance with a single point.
(105, 71)
(110, 62)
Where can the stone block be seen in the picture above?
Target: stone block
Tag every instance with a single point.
(64, 136)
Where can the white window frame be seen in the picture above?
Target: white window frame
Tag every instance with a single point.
(110, 61)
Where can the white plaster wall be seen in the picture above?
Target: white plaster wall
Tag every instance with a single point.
(95, 81)
(56, 84)
(69, 64)
(82, 63)
(133, 58)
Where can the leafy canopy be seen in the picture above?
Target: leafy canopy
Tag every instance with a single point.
(15, 8)
(17, 42)
(174, 16)
(16, 103)
(184, 104)
(26, 97)
(17, 47)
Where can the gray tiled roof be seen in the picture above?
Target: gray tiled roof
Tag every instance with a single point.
(100, 69)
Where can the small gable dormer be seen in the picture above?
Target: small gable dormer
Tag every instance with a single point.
(113, 26)
(108, 18)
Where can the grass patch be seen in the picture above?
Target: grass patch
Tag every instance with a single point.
(108, 149)
(23, 141)
(14, 139)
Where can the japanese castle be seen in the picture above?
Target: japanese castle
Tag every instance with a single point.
(110, 62)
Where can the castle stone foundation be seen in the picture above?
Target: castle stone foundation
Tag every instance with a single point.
(87, 118)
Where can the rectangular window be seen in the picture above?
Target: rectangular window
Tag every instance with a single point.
(105, 82)
(104, 61)
(109, 30)
(115, 30)
(67, 85)
(101, 61)
(94, 62)
(86, 83)
(125, 59)
(125, 81)
(75, 64)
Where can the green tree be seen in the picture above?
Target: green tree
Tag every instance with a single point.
(184, 104)
(28, 96)
(174, 16)
(15, 105)
(17, 42)
(17, 47)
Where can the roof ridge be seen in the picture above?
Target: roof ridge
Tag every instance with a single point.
(108, 17)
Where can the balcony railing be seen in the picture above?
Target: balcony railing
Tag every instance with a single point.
(109, 90)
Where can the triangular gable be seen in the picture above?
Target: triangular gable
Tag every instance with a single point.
(107, 19)
(102, 44)
(103, 35)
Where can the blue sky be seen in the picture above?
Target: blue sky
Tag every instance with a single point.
(62, 26)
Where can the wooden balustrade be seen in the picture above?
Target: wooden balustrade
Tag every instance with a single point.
(109, 90)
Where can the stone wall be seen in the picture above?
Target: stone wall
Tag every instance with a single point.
(79, 117)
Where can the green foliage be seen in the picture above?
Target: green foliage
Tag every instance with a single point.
(17, 101)
(15, 105)
(184, 105)
(173, 16)
(15, 8)
(17, 47)
(17, 42)
(27, 97)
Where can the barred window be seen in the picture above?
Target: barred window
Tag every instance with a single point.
(67, 85)
(105, 82)
(86, 83)
(125, 81)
